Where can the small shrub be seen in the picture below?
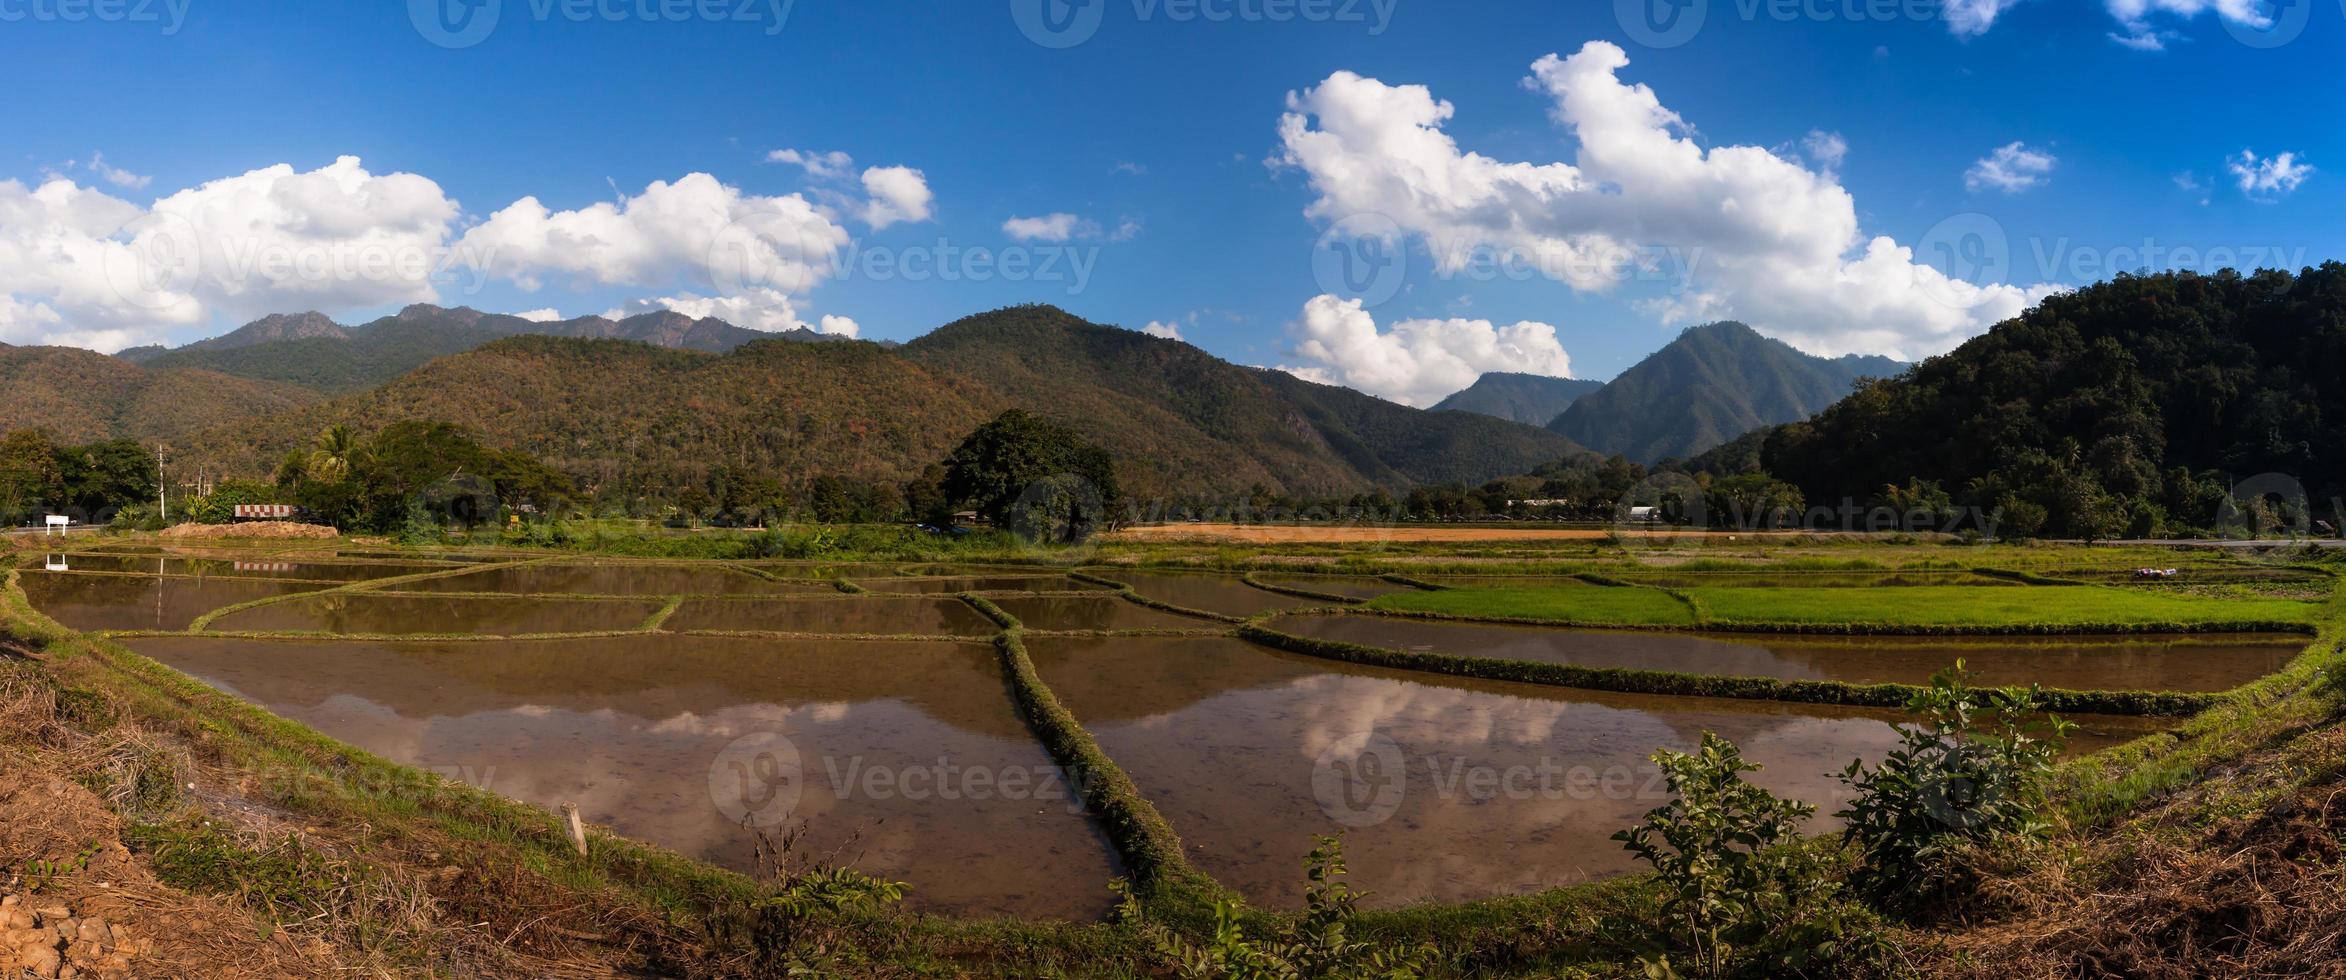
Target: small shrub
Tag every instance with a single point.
(1974, 769)
(812, 917)
(1724, 853)
(1319, 945)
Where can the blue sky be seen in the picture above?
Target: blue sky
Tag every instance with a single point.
(1161, 134)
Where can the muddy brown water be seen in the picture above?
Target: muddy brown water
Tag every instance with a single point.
(246, 567)
(973, 583)
(126, 602)
(2145, 662)
(1206, 591)
(1095, 613)
(393, 614)
(870, 614)
(615, 579)
(1353, 586)
(1446, 788)
(909, 759)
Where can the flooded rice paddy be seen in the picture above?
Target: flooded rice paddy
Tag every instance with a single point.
(1446, 788)
(839, 614)
(2215, 662)
(884, 723)
(644, 734)
(616, 579)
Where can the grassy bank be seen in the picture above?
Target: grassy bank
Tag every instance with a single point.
(1921, 608)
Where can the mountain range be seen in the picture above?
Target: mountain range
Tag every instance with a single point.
(660, 399)
(1713, 383)
(1532, 399)
(313, 351)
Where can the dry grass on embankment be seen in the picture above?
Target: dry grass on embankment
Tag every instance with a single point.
(270, 530)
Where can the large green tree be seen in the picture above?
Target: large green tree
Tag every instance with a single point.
(30, 478)
(1036, 477)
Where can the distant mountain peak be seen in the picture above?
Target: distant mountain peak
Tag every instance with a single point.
(1715, 382)
(275, 327)
(1532, 399)
(462, 314)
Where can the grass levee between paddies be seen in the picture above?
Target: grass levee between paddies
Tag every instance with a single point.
(1912, 609)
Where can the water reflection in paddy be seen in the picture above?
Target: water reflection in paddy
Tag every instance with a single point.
(393, 614)
(614, 579)
(1094, 613)
(1354, 587)
(1227, 738)
(2145, 662)
(129, 602)
(635, 729)
(974, 583)
(874, 615)
(1207, 591)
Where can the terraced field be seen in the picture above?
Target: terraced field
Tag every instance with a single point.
(1007, 739)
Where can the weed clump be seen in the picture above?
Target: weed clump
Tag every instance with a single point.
(1973, 771)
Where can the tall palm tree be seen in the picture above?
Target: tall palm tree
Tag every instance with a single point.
(333, 453)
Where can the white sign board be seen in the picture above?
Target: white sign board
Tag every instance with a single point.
(58, 521)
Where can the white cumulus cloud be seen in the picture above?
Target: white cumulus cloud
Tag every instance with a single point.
(1761, 238)
(1159, 328)
(79, 265)
(1057, 226)
(817, 164)
(897, 194)
(2267, 178)
(546, 315)
(2011, 168)
(2138, 25)
(1415, 362)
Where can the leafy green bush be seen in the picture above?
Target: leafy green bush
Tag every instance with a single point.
(1975, 769)
(1724, 853)
(1319, 945)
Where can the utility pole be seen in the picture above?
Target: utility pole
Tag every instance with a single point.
(162, 496)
